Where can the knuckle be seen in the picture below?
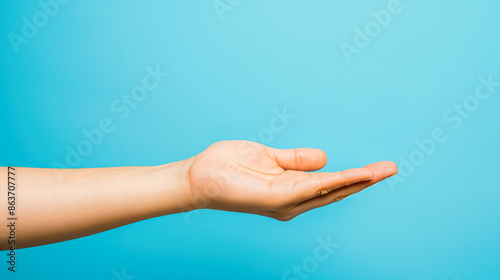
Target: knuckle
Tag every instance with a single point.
(320, 181)
(296, 159)
(322, 192)
(339, 198)
(342, 175)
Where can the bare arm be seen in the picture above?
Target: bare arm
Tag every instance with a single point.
(238, 176)
(51, 208)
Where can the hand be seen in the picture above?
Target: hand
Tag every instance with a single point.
(248, 177)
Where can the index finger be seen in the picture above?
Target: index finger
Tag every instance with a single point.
(318, 184)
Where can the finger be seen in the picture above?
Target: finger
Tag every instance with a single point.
(381, 171)
(302, 159)
(322, 183)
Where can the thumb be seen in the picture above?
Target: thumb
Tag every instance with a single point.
(301, 159)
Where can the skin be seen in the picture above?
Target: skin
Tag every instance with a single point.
(56, 205)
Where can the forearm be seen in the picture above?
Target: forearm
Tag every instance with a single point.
(52, 208)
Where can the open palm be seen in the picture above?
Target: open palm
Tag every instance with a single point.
(245, 176)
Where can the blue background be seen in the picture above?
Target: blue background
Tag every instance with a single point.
(227, 75)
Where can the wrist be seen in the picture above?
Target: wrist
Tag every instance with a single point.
(178, 195)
